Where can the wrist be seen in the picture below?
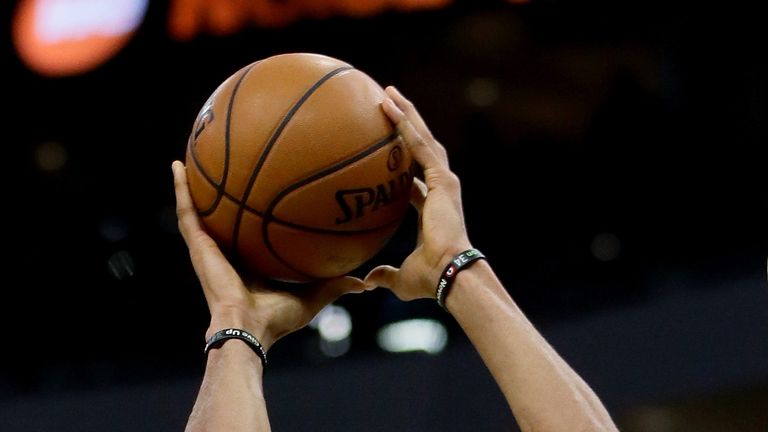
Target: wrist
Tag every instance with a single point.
(233, 317)
(437, 267)
(456, 265)
(220, 337)
(469, 284)
(451, 251)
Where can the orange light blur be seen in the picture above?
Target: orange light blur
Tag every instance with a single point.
(54, 38)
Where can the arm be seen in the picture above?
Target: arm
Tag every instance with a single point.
(231, 397)
(544, 393)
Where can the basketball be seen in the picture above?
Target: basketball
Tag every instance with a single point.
(295, 170)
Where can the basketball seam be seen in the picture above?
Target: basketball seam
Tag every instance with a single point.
(221, 187)
(279, 221)
(329, 231)
(318, 175)
(270, 144)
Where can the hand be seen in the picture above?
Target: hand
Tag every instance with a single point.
(267, 313)
(442, 233)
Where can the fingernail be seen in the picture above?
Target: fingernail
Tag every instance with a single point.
(177, 166)
(393, 106)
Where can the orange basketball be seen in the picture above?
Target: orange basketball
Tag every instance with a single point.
(295, 170)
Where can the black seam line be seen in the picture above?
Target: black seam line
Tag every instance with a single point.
(268, 218)
(272, 140)
(199, 165)
(191, 148)
(300, 227)
(330, 231)
(294, 225)
(220, 188)
(224, 193)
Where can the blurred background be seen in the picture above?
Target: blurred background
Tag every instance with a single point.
(613, 166)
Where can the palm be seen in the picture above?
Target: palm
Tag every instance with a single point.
(438, 219)
(290, 310)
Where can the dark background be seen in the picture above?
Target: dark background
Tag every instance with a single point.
(613, 170)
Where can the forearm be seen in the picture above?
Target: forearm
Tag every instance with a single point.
(544, 393)
(231, 397)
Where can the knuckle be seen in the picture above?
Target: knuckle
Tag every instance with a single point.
(420, 141)
(446, 178)
(453, 181)
(415, 140)
(184, 212)
(204, 240)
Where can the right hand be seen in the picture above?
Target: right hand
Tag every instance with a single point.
(442, 233)
(255, 306)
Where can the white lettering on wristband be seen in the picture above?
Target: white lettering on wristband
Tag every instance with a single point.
(232, 333)
(456, 264)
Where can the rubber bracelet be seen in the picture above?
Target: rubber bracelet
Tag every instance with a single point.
(457, 264)
(220, 336)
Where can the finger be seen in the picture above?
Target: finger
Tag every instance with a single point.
(410, 111)
(382, 276)
(442, 153)
(418, 194)
(415, 143)
(349, 285)
(189, 222)
(418, 122)
(331, 289)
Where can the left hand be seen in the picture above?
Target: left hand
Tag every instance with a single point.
(442, 233)
(267, 313)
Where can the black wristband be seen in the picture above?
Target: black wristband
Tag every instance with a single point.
(458, 263)
(220, 336)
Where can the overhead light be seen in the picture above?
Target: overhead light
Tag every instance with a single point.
(67, 37)
(333, 323)
(425, 335)
(335, 349)
(121, 265)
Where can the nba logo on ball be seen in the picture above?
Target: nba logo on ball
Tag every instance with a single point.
(295, 170)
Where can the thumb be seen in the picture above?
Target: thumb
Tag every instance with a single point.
(332, 289)
(418, 194)
(382, 276)
(349, 285)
